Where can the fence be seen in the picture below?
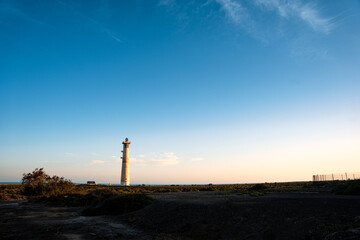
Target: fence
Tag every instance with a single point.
(337, 176)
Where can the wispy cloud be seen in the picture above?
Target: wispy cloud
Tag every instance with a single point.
(113, 36)
(310, 15)
(248, 15)
(70, 154)
(233, 9)
(108, 161)
(303, 51)
(306, 12)
(116, 158)
(91, 20)
(152, 159)
(97, 162)
(7, 8)
(281, 8)
(164, 159)
(166, 2)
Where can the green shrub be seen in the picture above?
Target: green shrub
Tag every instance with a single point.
(119, 204)
(39, 184)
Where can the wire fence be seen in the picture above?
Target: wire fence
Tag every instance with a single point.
(336, 176)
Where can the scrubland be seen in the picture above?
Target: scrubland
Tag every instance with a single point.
(54, 208)
(10, 192)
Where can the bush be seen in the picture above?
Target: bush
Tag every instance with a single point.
(94, 198)
(38, 183)
(258, 187)
(4, 196)
(348, 188)
(119, 204)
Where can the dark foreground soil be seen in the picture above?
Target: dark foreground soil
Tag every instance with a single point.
(197, 215)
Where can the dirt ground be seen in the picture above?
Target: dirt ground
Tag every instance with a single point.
(195, 215)
(20, 220)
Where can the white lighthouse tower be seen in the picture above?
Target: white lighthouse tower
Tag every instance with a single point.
(125, 176)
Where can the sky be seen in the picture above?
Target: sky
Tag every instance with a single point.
(207, 91)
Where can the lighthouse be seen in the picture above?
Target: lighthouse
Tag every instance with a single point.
(125, 176)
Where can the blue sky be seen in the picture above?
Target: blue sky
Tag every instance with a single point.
(217, 91)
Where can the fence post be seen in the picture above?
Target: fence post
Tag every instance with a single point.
(334, 177)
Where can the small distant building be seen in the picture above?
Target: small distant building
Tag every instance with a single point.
(91, 183)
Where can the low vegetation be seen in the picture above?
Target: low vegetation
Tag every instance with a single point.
(258, 187)
(11, 192)
(347, 188)
(39, 186)
(101, 199)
